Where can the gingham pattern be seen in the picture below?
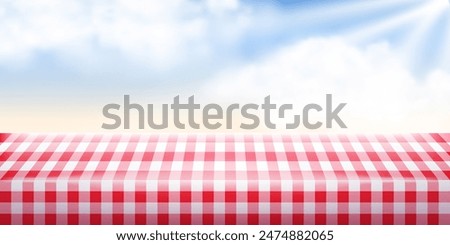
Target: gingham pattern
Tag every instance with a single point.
(224, 179)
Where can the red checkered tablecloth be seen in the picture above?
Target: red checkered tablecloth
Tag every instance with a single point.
(224, 179)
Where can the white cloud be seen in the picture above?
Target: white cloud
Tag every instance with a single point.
(159, 33)
(29, 25)
(382, 94)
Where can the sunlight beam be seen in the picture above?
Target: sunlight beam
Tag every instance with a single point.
(378, 28)
(324, 13)
(415, 40)
(445, 57)
(442, 4)
(340, 10)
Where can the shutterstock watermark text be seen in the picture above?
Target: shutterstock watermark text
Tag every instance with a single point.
(192, 115)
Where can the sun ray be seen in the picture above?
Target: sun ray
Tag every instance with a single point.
(413, 48)
(324, 14)
(379, 28)
(444, 58)
(347, 9)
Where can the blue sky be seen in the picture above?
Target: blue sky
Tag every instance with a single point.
(95, 51)
(270, 26)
